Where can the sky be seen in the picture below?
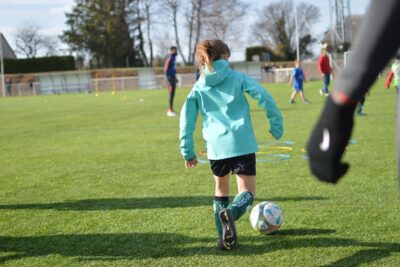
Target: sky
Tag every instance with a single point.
(49, 14)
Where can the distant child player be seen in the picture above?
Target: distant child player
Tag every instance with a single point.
(219, 95)
(324, 68)
(394, 72)
(297, 80)
(170, 73)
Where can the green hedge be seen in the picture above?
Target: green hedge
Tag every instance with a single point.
(258, 50)
(42, 64)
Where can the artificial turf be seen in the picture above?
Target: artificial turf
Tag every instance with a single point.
(99, 181)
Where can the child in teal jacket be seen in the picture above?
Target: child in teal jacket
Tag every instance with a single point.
(219, 95)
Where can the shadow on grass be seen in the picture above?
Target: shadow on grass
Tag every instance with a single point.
(138, 203)
(112, 247)
(365, 252)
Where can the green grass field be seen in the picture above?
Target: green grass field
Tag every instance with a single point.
(100, 182)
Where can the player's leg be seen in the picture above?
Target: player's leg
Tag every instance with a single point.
(221, 200)
(171, 95)
(245, 169)
(224, 220)
(221, 170)
(303, 97)
(172, 89)
(246, 194)
(292, 97)
(324, 89)
(240, 204)
(222, 186)
(327, 81)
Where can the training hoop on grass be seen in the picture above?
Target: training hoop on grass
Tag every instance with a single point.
(202, 157)
(306, 157)
(260, 157)
(270, 151)
(203, 154)
(275, 143)
(275, 150)
(202, 160)
(272, 157)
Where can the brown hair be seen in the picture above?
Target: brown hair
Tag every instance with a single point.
(208, 51)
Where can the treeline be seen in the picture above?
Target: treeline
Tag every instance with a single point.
(39, 64)
(124, 33)
(136, 33)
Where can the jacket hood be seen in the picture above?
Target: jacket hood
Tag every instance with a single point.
(218, 75)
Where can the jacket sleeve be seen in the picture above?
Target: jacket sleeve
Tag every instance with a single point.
(329, 63)
(167, 64)
(265, 101)
(320, 64)
(187, 126)
(389, 79)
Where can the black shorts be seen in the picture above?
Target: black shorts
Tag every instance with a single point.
(245, 165)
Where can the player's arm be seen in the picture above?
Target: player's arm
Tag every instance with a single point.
(265, 101)
(292, 77)
(376, 43)
(187, 125)
(167, 65)
(320, 62)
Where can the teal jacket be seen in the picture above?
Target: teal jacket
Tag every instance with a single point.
(227, 129)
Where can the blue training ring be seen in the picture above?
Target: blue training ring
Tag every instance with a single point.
(275, 143)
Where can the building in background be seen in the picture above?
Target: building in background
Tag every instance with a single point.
(8, 53)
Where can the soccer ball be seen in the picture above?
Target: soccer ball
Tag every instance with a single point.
(266, 217)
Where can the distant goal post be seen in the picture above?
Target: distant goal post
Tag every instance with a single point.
(346, 57)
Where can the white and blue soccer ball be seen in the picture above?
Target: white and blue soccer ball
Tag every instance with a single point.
(266, 217)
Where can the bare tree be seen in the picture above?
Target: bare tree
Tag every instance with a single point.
(204, 18)
(147, 8)
(190, 24)
(51, 45)
(223, 18)
(135, 20)
(141, 22)
(275, 27)
(162, 42)
(31, 43)
(172, 8)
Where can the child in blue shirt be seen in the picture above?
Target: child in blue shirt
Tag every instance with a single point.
(219, 95)
(296, 80)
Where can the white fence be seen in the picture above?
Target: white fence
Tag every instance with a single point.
(76, 82)
(108, 84)
(21, 89)
(139, 82)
